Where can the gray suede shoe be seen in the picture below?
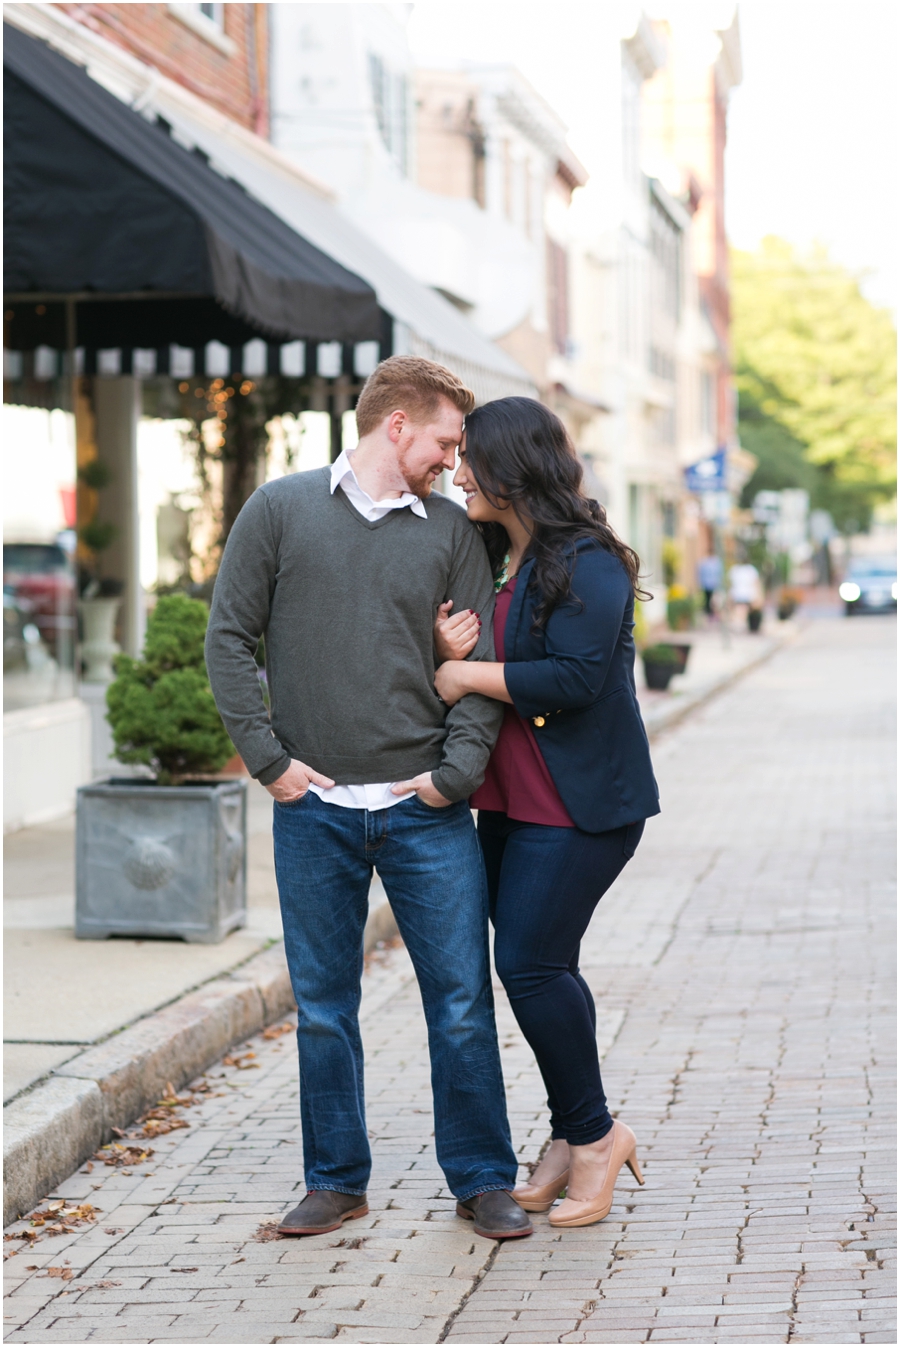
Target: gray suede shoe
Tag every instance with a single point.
(322, 1211)
(496, 1215)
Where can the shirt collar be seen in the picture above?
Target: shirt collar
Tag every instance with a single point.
(342, 467)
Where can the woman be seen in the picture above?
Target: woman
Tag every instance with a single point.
(569, 784)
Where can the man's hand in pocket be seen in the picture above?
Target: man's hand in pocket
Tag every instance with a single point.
(426, 792)
(295, 782)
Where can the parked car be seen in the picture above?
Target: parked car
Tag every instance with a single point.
(40, 579)
(870, 585)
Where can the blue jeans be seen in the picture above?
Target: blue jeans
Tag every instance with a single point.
(544, 884)
(430, 864)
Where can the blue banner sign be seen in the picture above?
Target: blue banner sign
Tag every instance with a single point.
(707, 475)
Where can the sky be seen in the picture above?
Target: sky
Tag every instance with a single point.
(812, 130)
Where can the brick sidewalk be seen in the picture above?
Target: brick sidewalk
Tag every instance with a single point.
(742, 967)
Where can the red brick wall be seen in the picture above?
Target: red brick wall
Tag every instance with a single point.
(236, 85)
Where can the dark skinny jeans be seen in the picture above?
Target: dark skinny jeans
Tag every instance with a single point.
(543, 885)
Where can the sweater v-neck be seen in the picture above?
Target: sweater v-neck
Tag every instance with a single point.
(367, 523)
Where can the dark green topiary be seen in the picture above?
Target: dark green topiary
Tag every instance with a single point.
(161, 708)
(660, 654)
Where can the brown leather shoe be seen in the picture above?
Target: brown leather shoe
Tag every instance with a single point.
(322, 1211)
(496, 1215)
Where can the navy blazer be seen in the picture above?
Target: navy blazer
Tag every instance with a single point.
(574, 679)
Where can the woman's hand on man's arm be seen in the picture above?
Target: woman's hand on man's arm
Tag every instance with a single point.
(456, 636)
(455, 678)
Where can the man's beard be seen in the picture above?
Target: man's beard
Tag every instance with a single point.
(420, 485)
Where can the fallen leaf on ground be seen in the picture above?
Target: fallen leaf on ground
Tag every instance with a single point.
(276, 1030)
(65, 1272)
(57, 1219)
(116, 1154)
(268, 1230)
(242, 1060)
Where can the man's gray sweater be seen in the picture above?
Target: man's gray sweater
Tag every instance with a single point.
(347, 609)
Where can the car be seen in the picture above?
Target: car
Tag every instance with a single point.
(40, 579)
(870, 585)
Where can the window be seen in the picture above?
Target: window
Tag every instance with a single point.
(390, 97)
(558, 296)
(38, 556)
(208, 20)
(665, 249)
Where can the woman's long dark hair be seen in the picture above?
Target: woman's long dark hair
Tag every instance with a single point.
(520, 454)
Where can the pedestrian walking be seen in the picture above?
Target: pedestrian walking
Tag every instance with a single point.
(709, 573)
(570, 783)
(747, 592)
(342, 569)
(745, 584)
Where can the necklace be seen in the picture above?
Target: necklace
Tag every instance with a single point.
(503, 577)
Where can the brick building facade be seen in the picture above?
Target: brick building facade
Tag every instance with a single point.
(220, 52)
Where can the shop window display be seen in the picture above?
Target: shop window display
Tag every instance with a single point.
(39, 585)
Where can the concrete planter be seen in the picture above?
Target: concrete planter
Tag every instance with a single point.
(161, 860)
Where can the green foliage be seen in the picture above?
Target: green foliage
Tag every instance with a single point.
(97, 536)
(95, 474)
(671, 560)
(661, 654)
(161, 708)
(176, 632)
(640, 624)
(816, 368)
(680, 612)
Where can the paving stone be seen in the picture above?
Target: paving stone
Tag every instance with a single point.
(737, 965)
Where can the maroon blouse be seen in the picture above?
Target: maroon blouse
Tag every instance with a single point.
(517, 781)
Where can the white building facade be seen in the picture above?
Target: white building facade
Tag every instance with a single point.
(462, 175)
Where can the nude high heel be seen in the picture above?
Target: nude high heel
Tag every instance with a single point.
(586, 1211)
(541, 1196)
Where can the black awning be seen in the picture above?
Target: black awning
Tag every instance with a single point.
(100, 201)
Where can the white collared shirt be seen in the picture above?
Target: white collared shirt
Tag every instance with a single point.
(377, 796)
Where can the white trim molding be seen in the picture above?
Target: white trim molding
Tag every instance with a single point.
(213, 30)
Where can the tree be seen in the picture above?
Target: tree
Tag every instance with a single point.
(816, 370)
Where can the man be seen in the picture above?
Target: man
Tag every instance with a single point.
(709, 573)
(343, 570)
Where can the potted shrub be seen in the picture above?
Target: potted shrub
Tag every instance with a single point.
(164, 855)
(788, 603)
(682, 651)
(679, 609)
(661, 662)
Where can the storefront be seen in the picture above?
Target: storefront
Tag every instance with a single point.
(158, 262)
(128, 259)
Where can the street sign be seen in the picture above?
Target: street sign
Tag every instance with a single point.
(707, 475)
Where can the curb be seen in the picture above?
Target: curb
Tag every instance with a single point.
(50, 1131)
(670, 714)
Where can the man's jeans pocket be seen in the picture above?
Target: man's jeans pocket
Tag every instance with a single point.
(437, 808)
(293, 804)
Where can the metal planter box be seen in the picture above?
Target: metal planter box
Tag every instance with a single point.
(161, 860)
